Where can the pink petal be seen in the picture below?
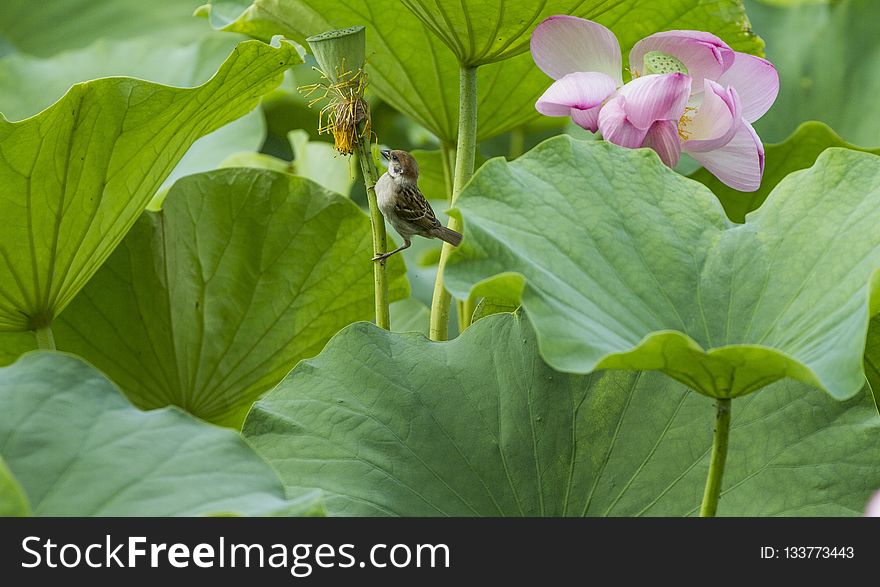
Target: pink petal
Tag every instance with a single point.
(663, 138)
(704, 54)
(656, 97)
(873, 509)
(580, 91)
(566, 44)
(615, 127)
(716, 121)
(739, 163)
(588, 119)
(756, 81)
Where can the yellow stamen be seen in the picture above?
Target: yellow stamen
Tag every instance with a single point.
(345, 110)
(686, 119)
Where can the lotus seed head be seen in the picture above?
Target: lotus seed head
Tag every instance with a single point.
(660, 62)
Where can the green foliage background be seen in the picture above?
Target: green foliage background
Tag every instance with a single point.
(202, 255)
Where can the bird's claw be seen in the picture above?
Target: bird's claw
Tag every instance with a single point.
(380, 258)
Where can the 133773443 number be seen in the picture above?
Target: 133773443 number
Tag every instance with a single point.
(818, 552)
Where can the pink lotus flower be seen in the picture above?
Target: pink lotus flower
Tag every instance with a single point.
(690, 92)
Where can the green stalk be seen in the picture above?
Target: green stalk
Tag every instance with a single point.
(448, 155)
(465, 152)
(517, 143)
(380, 282)
(466, 312)
(45, 338)
(719, 456)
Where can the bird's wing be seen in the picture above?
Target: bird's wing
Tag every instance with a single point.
(411, 206)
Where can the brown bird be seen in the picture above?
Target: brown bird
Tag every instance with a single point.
(404, 206)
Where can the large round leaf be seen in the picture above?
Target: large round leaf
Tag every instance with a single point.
(798, 151)
(30, 84)
(210, 302)
(484, 31)
(414, 71)
(624, 264)
(78, 448)
(391, 424)
(74, 178)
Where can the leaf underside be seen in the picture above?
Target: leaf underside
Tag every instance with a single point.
(74, 178)
(210, 302)
(412, 69)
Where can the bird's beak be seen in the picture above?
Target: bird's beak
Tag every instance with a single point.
(386, 153)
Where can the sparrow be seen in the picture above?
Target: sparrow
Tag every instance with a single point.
(404, 206)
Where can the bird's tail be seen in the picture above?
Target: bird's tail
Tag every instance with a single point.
(448, 235)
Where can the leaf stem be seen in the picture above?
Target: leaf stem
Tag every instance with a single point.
(45, 338)
(466, 312)
(517, 143)
(465, 153)
(718, 458)
(380, 282)
(448, 155)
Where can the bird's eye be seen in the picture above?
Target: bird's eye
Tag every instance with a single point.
(394, 158)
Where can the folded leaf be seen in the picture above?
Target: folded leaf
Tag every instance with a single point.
(74, 178)
(78, 448)
(30, 84)
(389, 424)
(624, 264)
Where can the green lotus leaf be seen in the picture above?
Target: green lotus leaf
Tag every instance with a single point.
(256, 160)
(314, 160)
(798, 151)
(15, 344)
(624, 264)
(74, 178)
(320, 162)
(414, 71)
(389, 424)
(488, 31)
(410, 315)
(30, 84)
(78, 448)
(488, 306)
(13, 501)
(210, 302)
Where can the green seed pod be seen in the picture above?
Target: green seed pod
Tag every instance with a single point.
(660, 62)
(339, 52)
